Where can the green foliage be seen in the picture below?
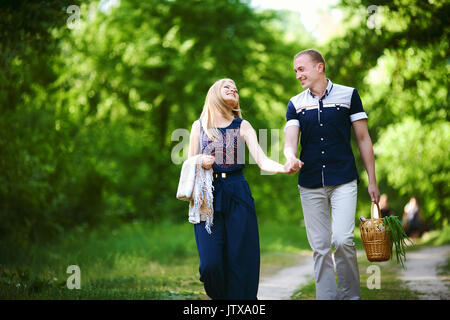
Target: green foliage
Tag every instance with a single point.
(437, 237)
(418, 152)
(88, 113)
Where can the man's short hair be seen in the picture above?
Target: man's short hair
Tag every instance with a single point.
(315, 56)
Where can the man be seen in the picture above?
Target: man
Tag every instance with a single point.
(324, 114)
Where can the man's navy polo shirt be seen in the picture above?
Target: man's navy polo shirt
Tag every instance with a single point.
(325, 127)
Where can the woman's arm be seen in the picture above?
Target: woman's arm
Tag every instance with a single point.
(194, 139)
(264, 163)
(194, 146)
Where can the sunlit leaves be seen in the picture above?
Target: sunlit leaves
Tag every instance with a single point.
(414, 159)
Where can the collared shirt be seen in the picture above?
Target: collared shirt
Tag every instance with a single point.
(325, 128)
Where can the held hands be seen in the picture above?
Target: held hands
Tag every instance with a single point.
(292, 165)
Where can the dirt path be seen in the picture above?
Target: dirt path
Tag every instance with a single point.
(286, 281)
(421, 274)
(282, 285)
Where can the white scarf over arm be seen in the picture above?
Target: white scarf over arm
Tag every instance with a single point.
(196, 187)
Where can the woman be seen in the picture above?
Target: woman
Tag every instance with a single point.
(229, 256)
(413, 219)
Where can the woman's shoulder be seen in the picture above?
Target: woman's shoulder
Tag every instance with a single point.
(196, 126)
(245, 127)
(244, 123)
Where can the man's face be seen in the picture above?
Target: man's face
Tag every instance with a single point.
(307, 71)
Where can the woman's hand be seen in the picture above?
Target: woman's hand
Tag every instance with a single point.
(207, 161)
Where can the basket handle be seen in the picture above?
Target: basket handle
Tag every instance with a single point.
(378, 213)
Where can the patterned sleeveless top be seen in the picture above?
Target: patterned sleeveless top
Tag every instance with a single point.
(228, 150)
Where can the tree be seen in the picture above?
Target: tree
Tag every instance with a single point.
(417, 165)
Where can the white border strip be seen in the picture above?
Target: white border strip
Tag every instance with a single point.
(333, 105)
(292, 122)
(358, 116)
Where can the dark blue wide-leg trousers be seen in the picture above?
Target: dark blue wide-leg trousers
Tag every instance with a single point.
(229, 256)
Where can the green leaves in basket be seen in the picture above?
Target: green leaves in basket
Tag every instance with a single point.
(397, 237)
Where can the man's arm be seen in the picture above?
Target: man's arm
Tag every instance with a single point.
(367, 155)
(291, 148)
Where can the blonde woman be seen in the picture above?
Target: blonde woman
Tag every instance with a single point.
(229, 256)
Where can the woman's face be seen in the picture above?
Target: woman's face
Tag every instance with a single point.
(229, 93)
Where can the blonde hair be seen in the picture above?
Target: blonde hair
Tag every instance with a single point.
(214, 104)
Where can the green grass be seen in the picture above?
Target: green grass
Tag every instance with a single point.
(278, 237)
(135, 261)
(436, 237)
(147, 261)
(443, 270)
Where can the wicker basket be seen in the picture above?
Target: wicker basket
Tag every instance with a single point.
(374, 238)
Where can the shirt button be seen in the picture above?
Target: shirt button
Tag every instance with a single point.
(323, 166)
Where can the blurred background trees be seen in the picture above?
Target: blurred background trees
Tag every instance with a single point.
(88, 113)
(404, 62)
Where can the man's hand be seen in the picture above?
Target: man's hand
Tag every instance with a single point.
(293, 165)
(374, 193)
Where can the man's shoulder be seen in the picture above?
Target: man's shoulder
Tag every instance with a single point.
(298, 96)
(341, 93)
(299, 99)
(342, 88)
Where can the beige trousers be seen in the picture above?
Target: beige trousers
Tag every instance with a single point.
(324, 230)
